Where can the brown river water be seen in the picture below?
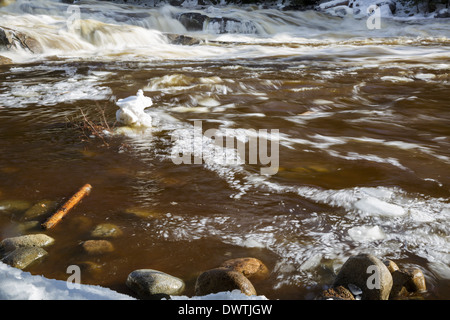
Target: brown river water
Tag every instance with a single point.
(363, 141)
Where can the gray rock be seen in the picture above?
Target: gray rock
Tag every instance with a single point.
(443, 13)
(106, 230)
(31, 240)
(367, 273)
(192, 21)
(223, 279)
(148, 283)
(392, 5)
(24, 256)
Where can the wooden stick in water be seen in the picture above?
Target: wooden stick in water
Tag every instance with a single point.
(56, 218)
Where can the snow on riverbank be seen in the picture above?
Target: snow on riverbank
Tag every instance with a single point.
(16, 284)
(19, 285)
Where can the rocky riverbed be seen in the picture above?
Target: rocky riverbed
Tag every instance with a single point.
(361, 277)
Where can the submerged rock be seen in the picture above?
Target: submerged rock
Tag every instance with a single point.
(223, 279)
(28, 227)
(149, 283)
(106, 230)
(31, 240)
(250, 267)
(14, 206)
(97, 247)
(143, 213)
(369, 274)
(24, 256)
(40, 208)
(90, 266)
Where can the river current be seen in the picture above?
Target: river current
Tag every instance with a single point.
(356, 124)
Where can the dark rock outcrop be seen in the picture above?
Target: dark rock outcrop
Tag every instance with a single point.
(13, 40)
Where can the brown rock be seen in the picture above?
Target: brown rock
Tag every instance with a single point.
(367, 273)
(223, 279)
(409, 280)
(12, 39)
(90, 266)
(95, 247)
(5, 60)
(391, 265)
(252, 268)
(337, 293)
(416, 280)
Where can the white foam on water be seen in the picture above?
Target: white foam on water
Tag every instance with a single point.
(78, 87)
(396, 79)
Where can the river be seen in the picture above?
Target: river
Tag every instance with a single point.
(356, 123)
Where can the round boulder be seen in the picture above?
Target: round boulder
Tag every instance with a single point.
(368, 273)
(149, 283)
(223, 279)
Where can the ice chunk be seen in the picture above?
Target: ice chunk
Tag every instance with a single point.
(131, 112)
(366, 233)
(376, 206)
